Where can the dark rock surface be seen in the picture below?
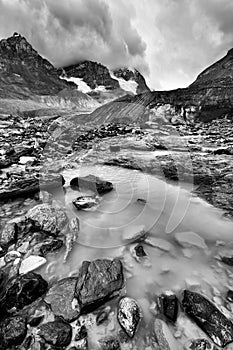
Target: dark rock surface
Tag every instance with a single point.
(169, 306)
(110, 343)
(86, 202)
(129, 315)
(61, 299)
(22, 290)
(57, 333)
(13, 331)
(97, 282)
(91, 182)
(208, 318)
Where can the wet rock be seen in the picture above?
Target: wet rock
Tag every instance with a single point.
(13, 331)
(61, 299)
(210, 319)
(164, 337)
(129, 315)
(168, 304)
(134, 233)
(31, 263)
(57, 333)
(229, 296)
(23, 290)
(140, 252)
(3, 281)
(91, 182)
(189, 239)
(86, 202)
(71, 237)
(48, 218)
(102, 316)
(199, 344)
(8, 235)
(47, 246)
(109, 343)
(227, 260)
(98, 281)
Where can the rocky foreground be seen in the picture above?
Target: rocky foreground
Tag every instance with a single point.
(37, 314)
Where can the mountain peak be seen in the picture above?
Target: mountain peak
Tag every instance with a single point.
(16, 45)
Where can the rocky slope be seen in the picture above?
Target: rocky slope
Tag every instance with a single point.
(23, 72)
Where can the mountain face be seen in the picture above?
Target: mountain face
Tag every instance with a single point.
(99, 78)
(23, 72)
(209, 97)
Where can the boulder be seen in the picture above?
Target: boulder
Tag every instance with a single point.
(57, 333)
(86, 202)
(91, 182)
(13, 331)
(98, 281)
(61, 299)
(23, 290)
(48, 218)
(129, 315)
(47, 246)
(210, 319)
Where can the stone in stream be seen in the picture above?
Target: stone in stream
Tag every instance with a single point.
(98, 281)
(71, 237)
(22, 290)
(47, 246)
(86, 202)
(210, 319)
(164, 336)
(57, 333)
(91, 182)
(31, 263)
(48, 218)
(190, 239)
(168, 304)
(13, 331)
(61, 299)
(159, 243)
(134, 233)
(199, 344)
(229, 296)
(129, 315)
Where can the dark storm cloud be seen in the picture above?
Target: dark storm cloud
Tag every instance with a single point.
(176, 39)
(71, 30)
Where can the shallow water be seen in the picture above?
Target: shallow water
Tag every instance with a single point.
(169, 209)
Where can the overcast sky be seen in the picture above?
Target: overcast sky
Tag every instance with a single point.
(169, 41)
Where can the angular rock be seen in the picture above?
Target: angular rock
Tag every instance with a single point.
(31, 263)
(91, 182)
(8, 235)
(86, 202)
(23, 290)
(98, 281)
(48, 218)
(13, 331)
(57, 333)
(129, 315)
(210, 319)
(47, 246)
(168, 304)
(199, 344)
(61, 299)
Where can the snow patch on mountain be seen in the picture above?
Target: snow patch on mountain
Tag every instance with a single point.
(128, 86)
(81, 85)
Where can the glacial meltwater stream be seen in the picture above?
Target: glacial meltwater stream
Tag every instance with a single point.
(184, 238)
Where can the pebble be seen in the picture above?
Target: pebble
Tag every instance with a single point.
(31, 263)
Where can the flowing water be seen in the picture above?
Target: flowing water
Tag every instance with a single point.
(164, 210)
